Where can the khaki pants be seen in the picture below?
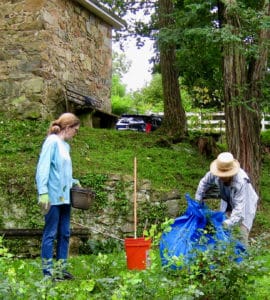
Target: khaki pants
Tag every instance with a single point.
(244, 232)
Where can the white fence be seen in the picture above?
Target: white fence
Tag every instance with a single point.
(215, 122)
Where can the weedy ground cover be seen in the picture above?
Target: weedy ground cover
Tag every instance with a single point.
(104, 275)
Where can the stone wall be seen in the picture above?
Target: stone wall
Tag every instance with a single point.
(117, 217)
(45, 44)
(112, 219)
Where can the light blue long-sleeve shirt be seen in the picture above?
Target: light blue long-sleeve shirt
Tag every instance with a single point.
(54, 170)
(240, 195)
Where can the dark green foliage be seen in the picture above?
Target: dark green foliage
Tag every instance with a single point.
(95, 247)
(97, 183)
(212, 274)
(121, 205)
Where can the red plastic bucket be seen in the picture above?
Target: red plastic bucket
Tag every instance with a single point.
(137, 253)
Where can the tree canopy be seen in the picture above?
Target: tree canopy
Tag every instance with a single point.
(220, 47)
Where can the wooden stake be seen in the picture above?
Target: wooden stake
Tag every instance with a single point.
(135, 197)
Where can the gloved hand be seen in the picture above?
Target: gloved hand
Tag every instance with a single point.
(44, 203)
(226, 224)
(77, 183)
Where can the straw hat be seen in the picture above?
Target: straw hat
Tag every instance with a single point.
(225, 165)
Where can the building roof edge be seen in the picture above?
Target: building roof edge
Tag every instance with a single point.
(102, 12)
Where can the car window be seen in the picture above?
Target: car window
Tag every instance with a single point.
(124, 121)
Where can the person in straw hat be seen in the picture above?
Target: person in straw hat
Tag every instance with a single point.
(238, 197)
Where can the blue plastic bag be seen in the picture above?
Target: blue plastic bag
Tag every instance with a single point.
(187, 231)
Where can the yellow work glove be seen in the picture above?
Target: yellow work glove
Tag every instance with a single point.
(44, 203)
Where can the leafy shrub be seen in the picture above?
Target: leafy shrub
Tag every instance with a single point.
(97, 183)
(212, 275)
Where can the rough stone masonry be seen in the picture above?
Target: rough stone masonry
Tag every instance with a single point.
(45, 44)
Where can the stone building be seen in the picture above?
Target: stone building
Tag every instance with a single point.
(46, 45)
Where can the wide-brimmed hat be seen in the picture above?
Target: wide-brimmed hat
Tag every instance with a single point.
(225, 165)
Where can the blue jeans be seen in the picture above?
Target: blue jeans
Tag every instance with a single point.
(57, 227)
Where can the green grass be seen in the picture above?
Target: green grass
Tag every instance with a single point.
(110, 151)
(262, 283)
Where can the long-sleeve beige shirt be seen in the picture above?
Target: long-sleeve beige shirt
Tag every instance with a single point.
(240, 196)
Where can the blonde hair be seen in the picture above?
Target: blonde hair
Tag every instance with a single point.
(64, 121)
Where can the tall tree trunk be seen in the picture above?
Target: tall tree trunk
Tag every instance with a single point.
(242, 93)
(174, 122)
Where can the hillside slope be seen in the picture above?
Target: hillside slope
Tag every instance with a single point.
(100, 151)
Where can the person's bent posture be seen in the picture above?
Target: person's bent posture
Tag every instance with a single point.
(238, 197)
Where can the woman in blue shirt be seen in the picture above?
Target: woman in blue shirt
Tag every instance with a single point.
(54, 181)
